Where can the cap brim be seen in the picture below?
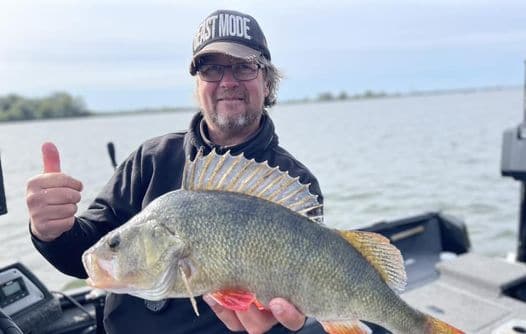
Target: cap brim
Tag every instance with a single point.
(228, 48)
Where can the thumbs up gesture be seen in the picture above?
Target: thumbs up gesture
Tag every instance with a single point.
(52, 197)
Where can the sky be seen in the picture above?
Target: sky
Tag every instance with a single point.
(130, 54)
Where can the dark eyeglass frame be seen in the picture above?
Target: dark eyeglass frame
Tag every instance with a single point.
(233, 67)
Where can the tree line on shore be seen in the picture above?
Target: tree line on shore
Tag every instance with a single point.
(342, 96)
(58, 105)
(14, 107)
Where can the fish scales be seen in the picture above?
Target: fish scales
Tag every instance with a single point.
(245, 239)
(249, 244)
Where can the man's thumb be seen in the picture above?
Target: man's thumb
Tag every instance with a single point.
(51, 158)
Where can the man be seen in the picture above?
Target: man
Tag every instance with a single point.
(235, 82)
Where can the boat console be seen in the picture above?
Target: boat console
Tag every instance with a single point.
(35, 309)
(25, 299)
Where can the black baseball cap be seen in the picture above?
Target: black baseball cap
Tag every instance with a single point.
(229, 32)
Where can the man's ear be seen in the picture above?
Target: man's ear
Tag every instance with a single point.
(267, 89)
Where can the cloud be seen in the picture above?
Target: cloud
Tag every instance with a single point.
(82, 45)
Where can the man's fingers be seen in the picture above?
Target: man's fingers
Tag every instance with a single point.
(61, 225)
(55, 212)
(287, 314)
(51, 158)
(53, 228)
(57, 196)
(55, 180)
(256, 321)
(228, 317)
(53, 196)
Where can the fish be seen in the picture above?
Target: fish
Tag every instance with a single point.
(244, 233)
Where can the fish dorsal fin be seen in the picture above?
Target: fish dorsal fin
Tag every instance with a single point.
(381, 254)
(240, 175)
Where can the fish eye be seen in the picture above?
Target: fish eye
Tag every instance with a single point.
(114, 241)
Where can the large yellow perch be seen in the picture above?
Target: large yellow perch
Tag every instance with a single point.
(246, 233)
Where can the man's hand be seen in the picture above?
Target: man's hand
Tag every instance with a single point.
(255, 321)
(52, 198)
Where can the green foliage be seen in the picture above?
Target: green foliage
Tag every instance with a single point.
(59, 105)
(326, 96)
(343, 96)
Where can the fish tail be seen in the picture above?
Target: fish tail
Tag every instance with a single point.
(435, 326)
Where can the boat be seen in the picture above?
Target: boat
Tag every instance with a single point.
(446, 279)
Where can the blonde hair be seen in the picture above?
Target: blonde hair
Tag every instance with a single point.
(272, 78)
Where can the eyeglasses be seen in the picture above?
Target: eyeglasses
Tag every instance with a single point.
(241, 72)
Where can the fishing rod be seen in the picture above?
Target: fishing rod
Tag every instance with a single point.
(111, 152)
(3, 205)
(513, 164)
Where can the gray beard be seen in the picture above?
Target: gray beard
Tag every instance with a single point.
(231, 125)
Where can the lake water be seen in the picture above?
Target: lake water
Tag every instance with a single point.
(376, 160)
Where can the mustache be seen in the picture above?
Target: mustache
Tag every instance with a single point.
(231, 94)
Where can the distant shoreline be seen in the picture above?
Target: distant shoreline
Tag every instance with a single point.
(369, 94)
(322, 97)
(328, 97)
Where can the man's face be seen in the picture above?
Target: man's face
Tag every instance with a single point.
(231, 105)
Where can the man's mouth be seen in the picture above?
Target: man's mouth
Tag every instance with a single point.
(230, 99)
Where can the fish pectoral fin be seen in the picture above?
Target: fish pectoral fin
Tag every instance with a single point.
(185, 272)
(345, 327)
(235, 300)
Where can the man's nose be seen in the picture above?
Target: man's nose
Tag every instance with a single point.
(228, 79)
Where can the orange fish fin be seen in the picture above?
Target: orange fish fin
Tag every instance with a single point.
(381, 254)
(235, 300)
(345, 327)
(260, 306)
(434, 325)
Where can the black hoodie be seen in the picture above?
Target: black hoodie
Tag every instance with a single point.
(155, 168)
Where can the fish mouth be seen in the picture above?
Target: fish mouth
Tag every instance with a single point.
(101, 273)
